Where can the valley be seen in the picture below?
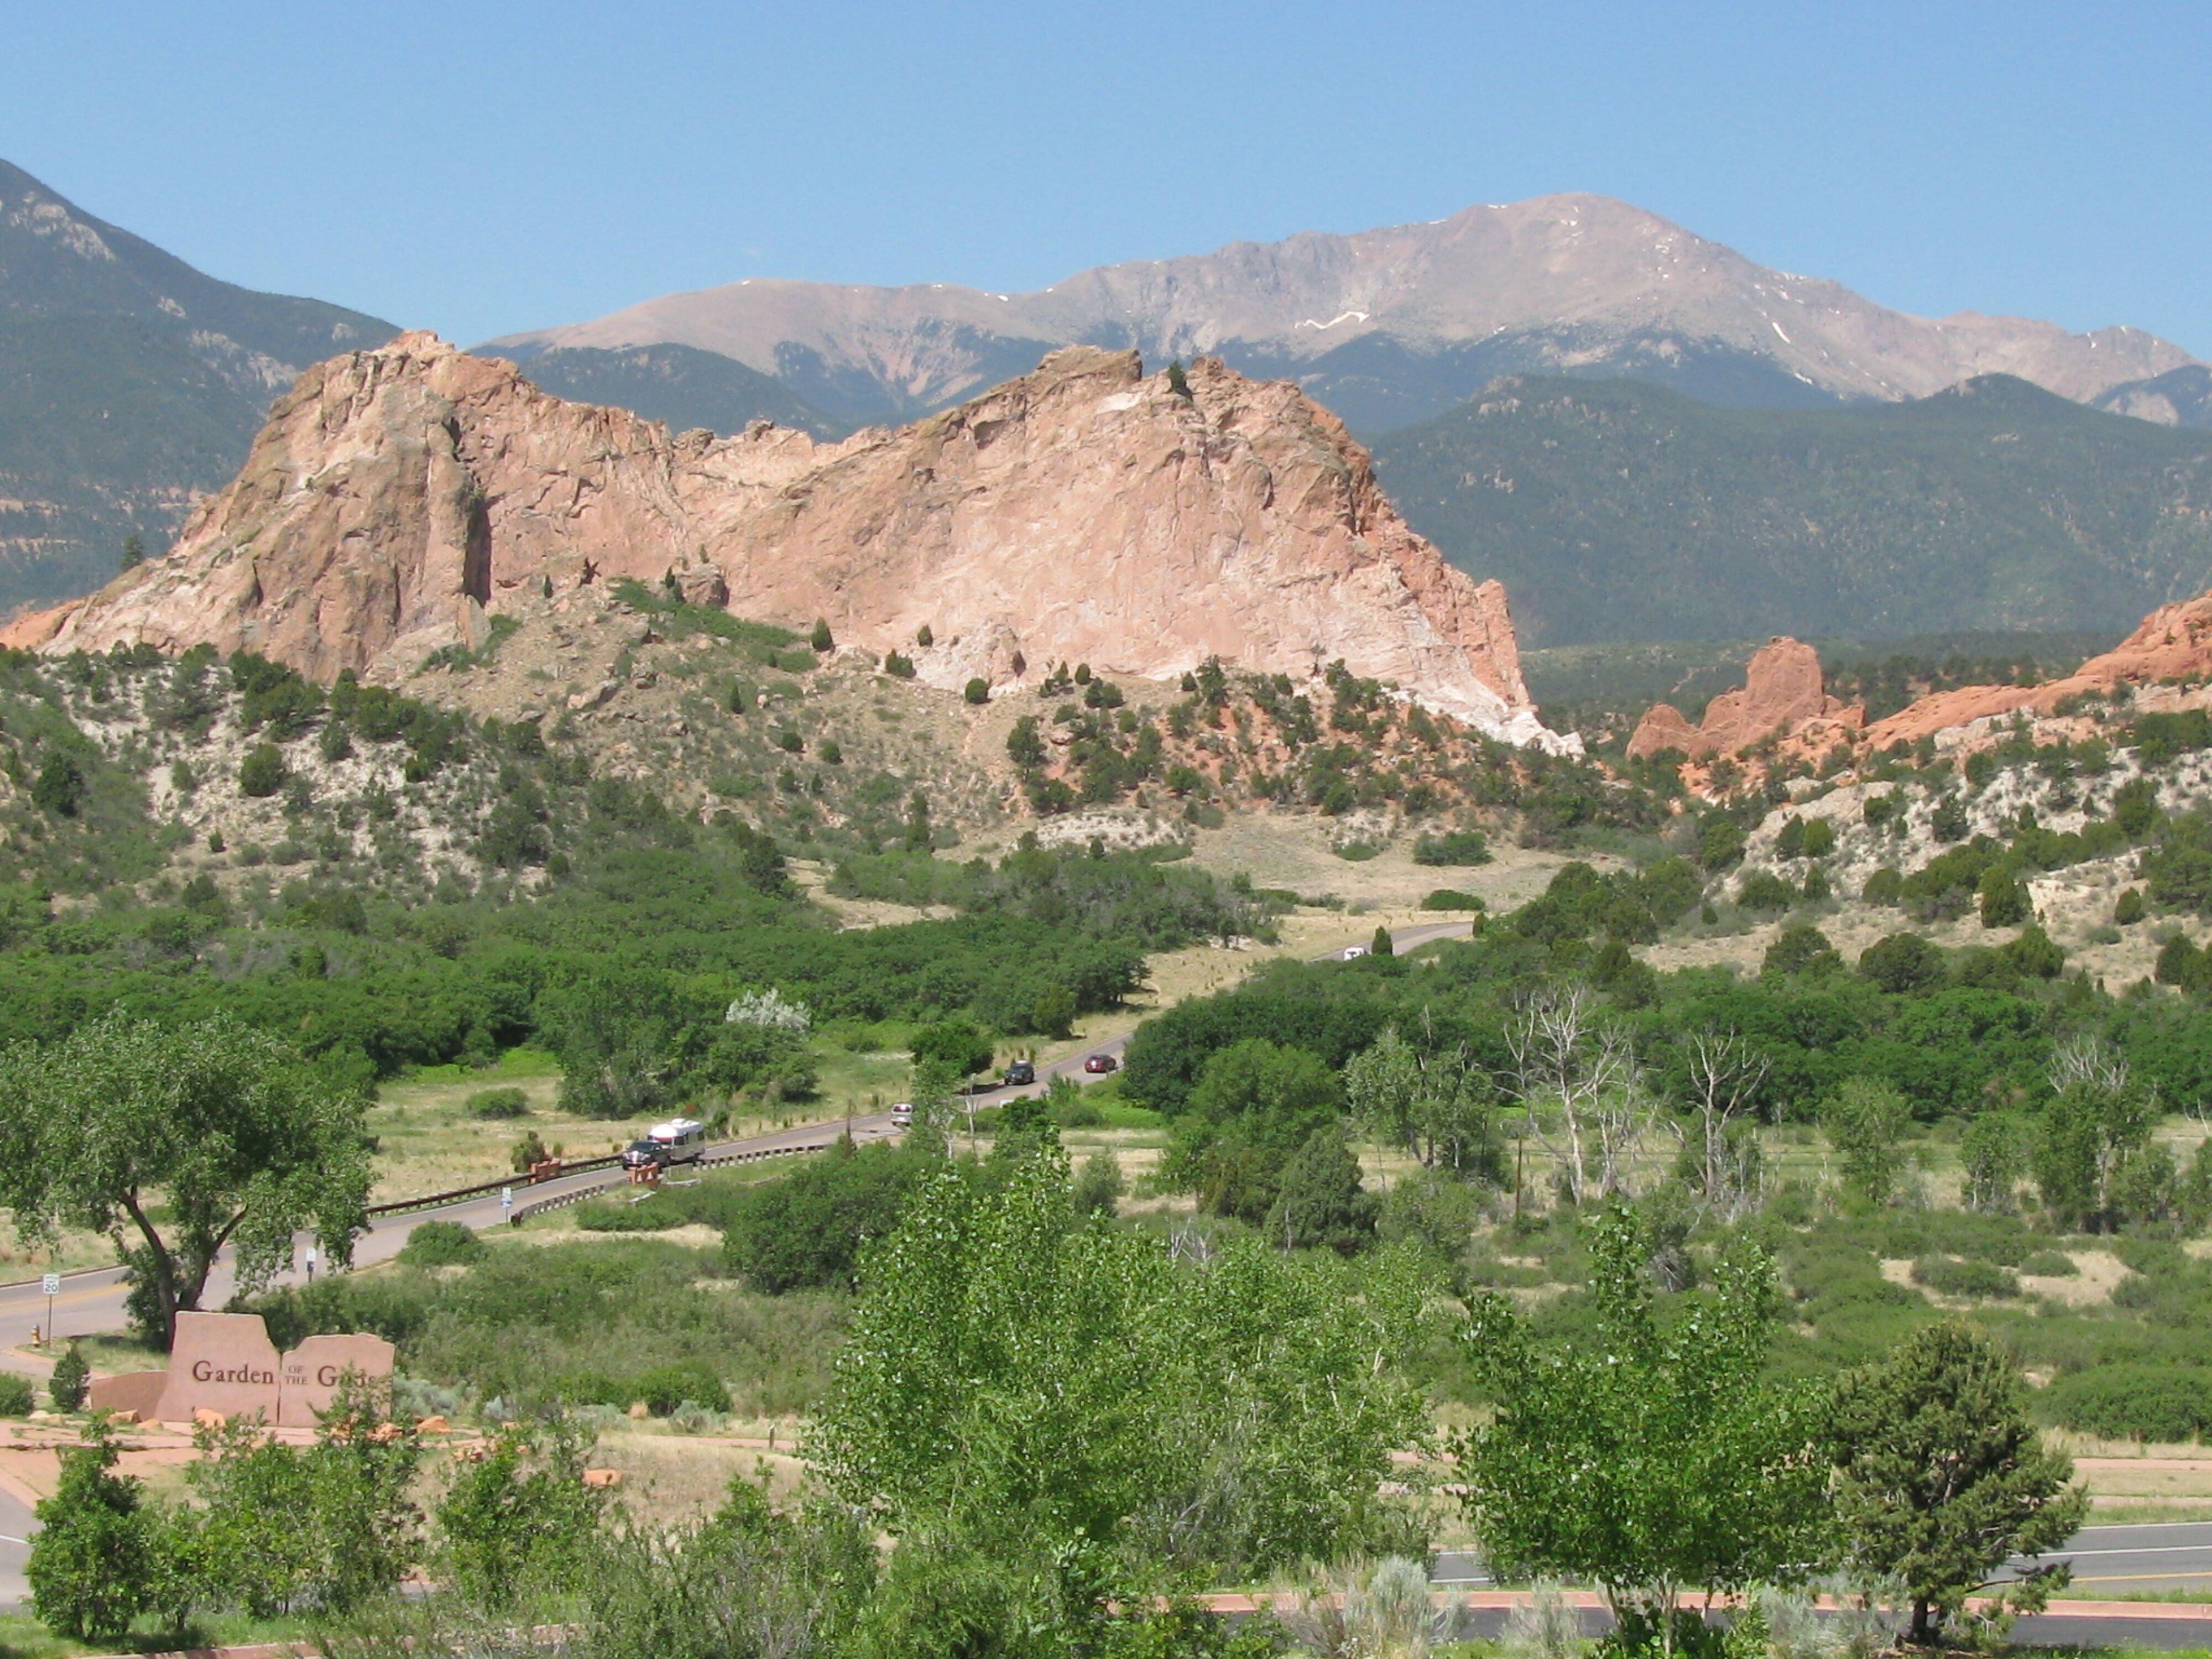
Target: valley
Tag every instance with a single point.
(1172, 967)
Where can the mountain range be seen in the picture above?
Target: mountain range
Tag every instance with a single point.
(1616, 511)
(128, 381)
(1387, 327)
(1691, 445)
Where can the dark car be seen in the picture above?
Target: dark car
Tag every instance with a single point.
(1019, 1075)
(1101, 1063)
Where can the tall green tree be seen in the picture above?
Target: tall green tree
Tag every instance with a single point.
(2095, 1124)
(177, 1144)
(1013, 1375)
(1320, 1204)
(1433, 1102)
(1941, 1478)
(1865, 1120)
(1652, 1457)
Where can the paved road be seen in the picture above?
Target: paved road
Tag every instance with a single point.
(93, 1301)
(15, 1549)
(2110, 1564)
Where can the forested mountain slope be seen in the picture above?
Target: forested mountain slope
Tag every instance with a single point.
(1612, 510)
(128, 379)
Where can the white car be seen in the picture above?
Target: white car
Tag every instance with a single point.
(1352, 953)
(902, 1116)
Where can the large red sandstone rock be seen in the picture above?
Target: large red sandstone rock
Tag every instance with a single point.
(399, 498)
(2173, 642)
(1783, 696)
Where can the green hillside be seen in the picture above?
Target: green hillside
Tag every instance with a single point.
(1614, 510)
(128, 379)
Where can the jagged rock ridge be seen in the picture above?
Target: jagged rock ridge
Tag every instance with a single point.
(399, 498)
(1785, 694)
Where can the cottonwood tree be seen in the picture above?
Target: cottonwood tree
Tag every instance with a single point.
(2096, 1125)
(1570, 1063)
(1723, 1076)
(1655, 1458)
(1023, 1382)
(1433, 1102)
(1941, 1478)
(176, 1144)
(1865, 1120)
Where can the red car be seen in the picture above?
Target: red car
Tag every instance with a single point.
(1101, 1063)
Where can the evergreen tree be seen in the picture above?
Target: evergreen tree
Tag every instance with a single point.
(1942, 1478)
(134, 552)
(1321, 1203)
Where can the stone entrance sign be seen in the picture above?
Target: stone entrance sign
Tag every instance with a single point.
(225, 1363)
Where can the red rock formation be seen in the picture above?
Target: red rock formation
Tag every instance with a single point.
(2173, 642)
(399, 498)
(1783, 696)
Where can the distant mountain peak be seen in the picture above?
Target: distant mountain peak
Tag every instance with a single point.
(1393, 325)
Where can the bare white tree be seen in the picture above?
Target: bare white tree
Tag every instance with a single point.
(1724, 1075)
(2087, 1060)
(1572, 1064)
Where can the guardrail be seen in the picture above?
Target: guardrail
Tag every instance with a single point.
(436, 1200)
(522, 1211)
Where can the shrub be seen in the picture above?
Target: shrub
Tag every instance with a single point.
(1078, 1113)
(1820, 838)
(71, 1381)
(807, 1231)
(978, 690)
(1446, 898)
(1884, 886)
(263, 772)
(819, 639)
(499, 1103)
(2129, 910)
(1800, 950)
(898, 665)
(1948, 1276)
(2132, 1402)
(59, 787)
(1453, 846)
(1902, 963)
(2004, 900)
(17, 1397)
(923, 637)
(1099, 1186)
(2048, 1264)
(1762, 891)
(442, 1244)
(691, 1382)
(99, 1558)
(521, 1514)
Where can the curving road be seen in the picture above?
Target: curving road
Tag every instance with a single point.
(92, 1300)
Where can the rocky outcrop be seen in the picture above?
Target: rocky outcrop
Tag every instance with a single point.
(2174, 643)
(399, 499)
(1783, 696)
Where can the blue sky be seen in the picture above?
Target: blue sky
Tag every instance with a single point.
(478, 168)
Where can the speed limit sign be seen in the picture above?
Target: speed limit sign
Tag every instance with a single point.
(51, 1284)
